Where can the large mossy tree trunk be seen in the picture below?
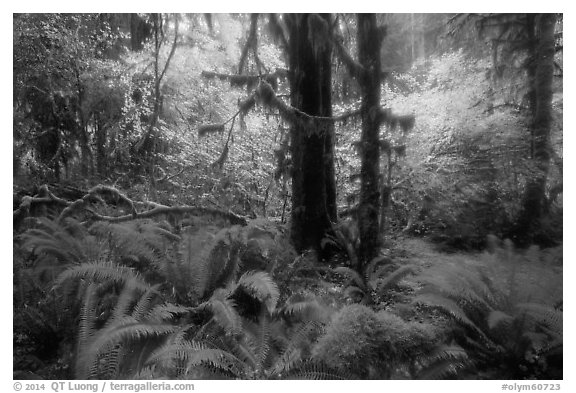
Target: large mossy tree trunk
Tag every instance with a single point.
(312, 143)
(369, 43)
(534, 204)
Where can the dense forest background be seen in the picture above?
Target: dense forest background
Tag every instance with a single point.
(287, 196)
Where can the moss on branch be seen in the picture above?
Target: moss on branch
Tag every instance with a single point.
(104, 193)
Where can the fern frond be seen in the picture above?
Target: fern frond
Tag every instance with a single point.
(102, 272)
(292, 353)
(143, 305)
(166, 355)
(446, 361)
(451, 308)
(124, 302)
(196, 354)
(352, 275)
(141, 240)
(460, 282)
(164, 312)
(383, 284)
(262, 342)
(66, 243)
(87, 326)
(224, 257)
(128, 330)
(110, 364)
(223, 311)
(352, 291)
(262, 287)
(305, 309)
(544, 315)
(311, 370)
(194, 253)
(375, 264)
(497, 318)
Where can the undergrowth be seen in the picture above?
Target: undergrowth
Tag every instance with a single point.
(506, 311)
(139, 300)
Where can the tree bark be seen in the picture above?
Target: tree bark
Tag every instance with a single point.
(369, 44)
(312, 147)
(535, 195)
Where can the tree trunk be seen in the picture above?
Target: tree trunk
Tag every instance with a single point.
(140, 31)
(312, 147)
(535, 196)
(100, 142)
(531, 73)
(369, 43)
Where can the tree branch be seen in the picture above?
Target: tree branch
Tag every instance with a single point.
(291, 114)
(250, 81)
(354, 68)
(171, 51)
(251, 42)
(110, 193)
(159, 209)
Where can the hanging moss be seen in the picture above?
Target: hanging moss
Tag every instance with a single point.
(247, 104)
(400, 150)
(406, 122)
(385, 146)
(205, 129)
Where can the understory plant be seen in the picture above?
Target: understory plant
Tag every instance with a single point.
(379, 276)
(156, 304)
(381, 345)
(506, 312)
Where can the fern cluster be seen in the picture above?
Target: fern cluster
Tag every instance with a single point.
(234, 346)
(503, 309)
(154, 304)
(379, 276)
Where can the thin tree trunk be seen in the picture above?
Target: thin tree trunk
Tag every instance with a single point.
(531, 73)
(412, 40)
(100, 142)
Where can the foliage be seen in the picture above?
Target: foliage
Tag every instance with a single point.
(508, 318)
(113, 350)
(376, 345)
(109, 266)
(178, 295)
(467, 161)
(65, 90)
(258, 350)
(378, 278)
